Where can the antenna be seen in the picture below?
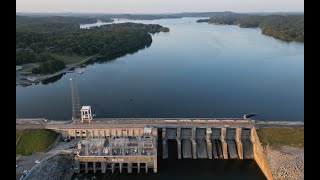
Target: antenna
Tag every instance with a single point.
(75, 99)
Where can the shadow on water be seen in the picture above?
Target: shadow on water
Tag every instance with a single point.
(52, 80)
(112, 57)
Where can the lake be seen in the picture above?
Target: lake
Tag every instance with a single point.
(195, 70)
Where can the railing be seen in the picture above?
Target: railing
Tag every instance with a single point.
(170, 120)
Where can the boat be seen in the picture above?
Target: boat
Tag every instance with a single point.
(31, 79)
(81, 71)
(18, 68)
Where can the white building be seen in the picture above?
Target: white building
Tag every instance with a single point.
(86, 114)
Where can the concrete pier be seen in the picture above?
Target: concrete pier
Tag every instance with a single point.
(164, 149)
(164, 144)
(194, 143)
(155, 166)
(103, 167)
(129, 167)
(186, 149)
(94, 167)
(194, 149)
(120, 167)
(112, 167)
(86, 167)
(209, 143)
(179, 148)
(138, 167)
(224, 143)
(178, 138)
(77, 167)
(239, 144)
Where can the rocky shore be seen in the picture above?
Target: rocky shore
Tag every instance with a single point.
(56, 167)
(286, 162)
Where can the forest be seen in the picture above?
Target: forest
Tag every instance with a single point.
(36, 37)
(284, 27)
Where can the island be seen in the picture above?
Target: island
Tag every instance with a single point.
(284, 27)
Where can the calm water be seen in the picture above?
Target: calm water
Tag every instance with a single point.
(195, 70)
(188, 170)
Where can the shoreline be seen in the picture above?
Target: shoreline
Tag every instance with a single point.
(24, 81)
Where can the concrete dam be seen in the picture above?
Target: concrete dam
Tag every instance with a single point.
(129, 144)
(208, 143)
(128, 149)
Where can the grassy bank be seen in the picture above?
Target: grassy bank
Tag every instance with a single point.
(281, 136)
(28, 67)
(69, 59)
(18, 133)
(34, 140)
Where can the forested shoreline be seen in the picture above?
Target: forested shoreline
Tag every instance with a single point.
(37, 38)
(284, 27)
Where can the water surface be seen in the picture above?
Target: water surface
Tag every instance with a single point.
(195, 70)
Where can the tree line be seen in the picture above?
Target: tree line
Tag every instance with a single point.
(35, 38)
(284, 27)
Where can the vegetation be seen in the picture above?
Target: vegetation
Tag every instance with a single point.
(69, 59)
(179, 15)
(61, 38)
(164, 29)
(55, 20)
(24, 56)
(18, 133)
(49, 67)
(34, 140)
(281, 136)
(202, 20)
(284, 27)
(27, 68)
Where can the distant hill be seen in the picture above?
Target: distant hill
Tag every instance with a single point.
(156, 16)
(211, 14)
(284, 27)
(21, 20)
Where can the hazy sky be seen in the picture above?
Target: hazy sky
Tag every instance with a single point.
(157, 6)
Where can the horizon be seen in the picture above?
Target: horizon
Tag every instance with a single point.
(156, 6)
(35, 12)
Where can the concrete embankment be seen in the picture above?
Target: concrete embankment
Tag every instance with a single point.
(259, 156)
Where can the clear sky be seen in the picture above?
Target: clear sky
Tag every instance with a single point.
(158, 6)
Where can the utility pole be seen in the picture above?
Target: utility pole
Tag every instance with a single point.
(75, 99)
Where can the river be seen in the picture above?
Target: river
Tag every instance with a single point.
(195, 70)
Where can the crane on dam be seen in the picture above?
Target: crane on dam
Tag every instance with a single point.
(75, 99)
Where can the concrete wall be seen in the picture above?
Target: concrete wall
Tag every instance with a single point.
(103, 132)
(259, 156)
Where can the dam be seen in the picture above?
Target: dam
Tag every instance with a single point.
(127, 144)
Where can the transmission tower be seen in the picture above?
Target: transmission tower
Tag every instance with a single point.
(75, 99)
